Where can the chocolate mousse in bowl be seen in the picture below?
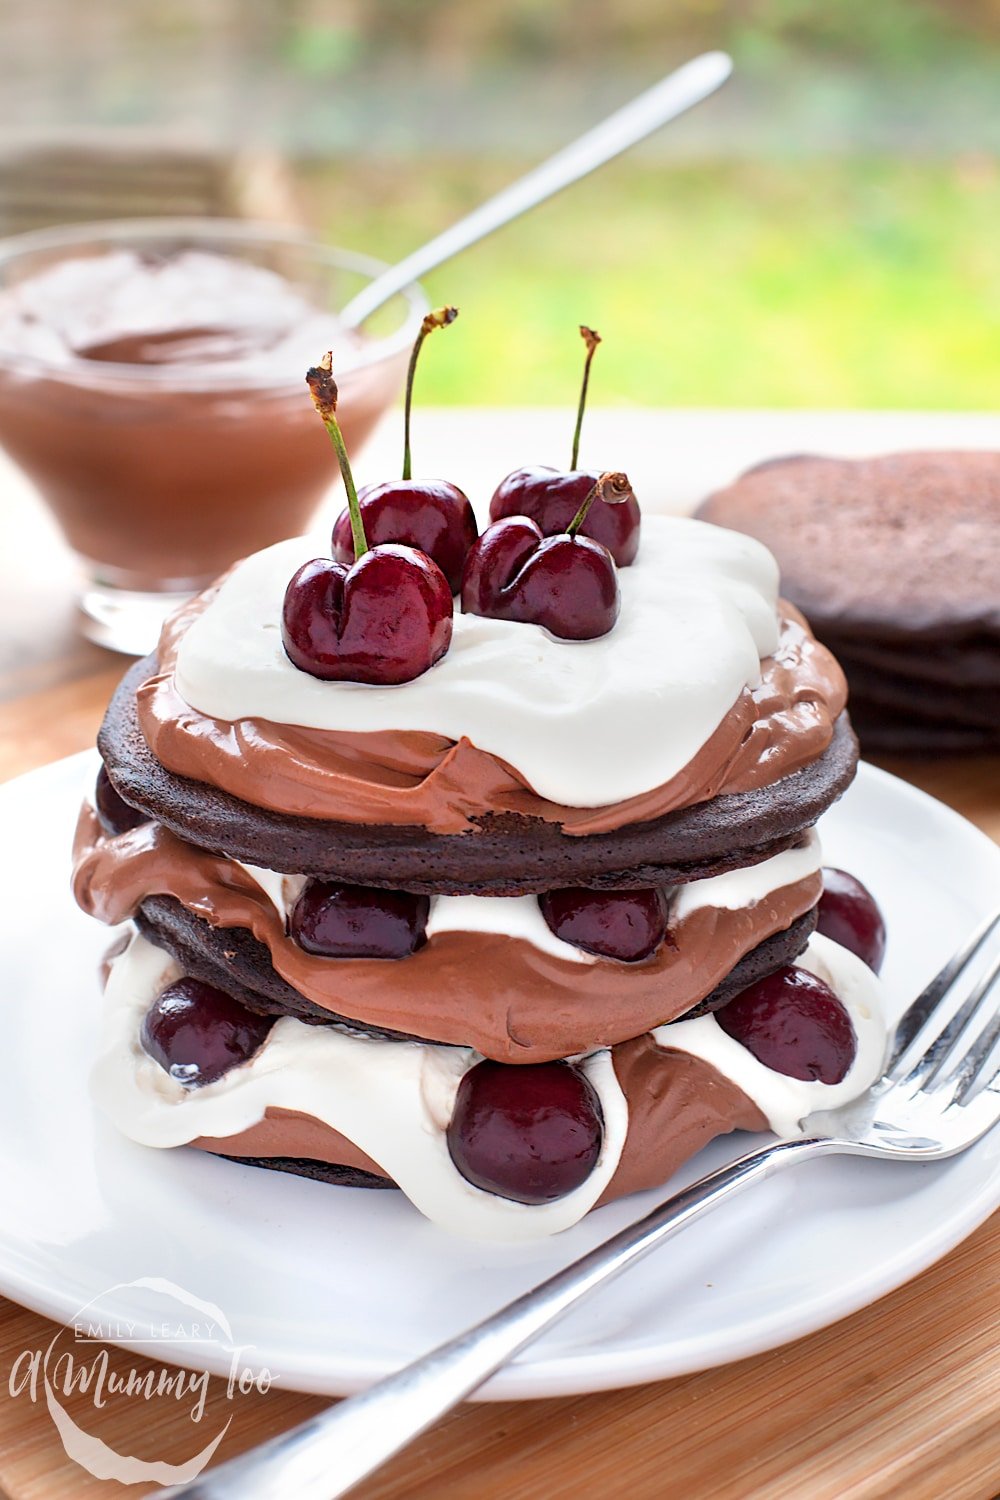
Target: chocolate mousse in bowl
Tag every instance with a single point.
(151, 387)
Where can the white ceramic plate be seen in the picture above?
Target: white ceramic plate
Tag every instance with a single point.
(333, 1287)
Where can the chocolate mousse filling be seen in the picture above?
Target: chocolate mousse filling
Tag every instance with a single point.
(415, 779)
(501, 995)
(793, 714)
(676, 1105)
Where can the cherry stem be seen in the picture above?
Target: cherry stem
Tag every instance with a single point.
(613, 488)
(439, 318)
(591, 338)
(323, 389)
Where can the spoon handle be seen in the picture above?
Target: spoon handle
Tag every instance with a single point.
(685, 87)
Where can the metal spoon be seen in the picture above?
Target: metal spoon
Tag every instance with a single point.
(678, 92)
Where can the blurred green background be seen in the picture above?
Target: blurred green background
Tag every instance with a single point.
(823, 233)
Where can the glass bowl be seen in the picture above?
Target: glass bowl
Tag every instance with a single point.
(152, 388)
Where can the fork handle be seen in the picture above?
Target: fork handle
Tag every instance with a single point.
(331, 1453)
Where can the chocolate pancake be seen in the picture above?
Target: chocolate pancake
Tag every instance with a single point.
(973, 664)
(508, 855)
(320, 1171)
(896, 563)
(914, 697)
(903, 546)
(891, 732)
(232, 959)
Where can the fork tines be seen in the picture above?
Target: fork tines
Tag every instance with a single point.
(925, 1047)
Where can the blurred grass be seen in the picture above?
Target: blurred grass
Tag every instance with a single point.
(829, 282)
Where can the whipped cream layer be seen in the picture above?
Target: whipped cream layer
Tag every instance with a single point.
(393, 1101)
(521, 916)
(785, 1101)
(492, 975)
(585, 723)
(507, 916)
(416, 779)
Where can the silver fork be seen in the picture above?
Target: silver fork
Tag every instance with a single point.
(932, 1102)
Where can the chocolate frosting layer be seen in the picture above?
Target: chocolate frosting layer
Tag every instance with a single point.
(511, 1001)
(286, 1132)
(232, 959)
(411, 779)
(676, 1105)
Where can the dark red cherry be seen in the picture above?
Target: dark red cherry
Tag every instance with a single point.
(848, 914)
(197, 1033)
(552, 498)
(793, 1023)
(431, 515)
(358, 921)
(114, 813)
(385, 619)
(627, 925)
(530, 1132)
(568, 585)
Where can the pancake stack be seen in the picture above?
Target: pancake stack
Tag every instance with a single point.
(896, 562)
(488, 935)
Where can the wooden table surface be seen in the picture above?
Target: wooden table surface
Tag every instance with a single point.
(902, 1399)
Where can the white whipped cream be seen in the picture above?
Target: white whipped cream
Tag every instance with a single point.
(510, 916)
(586, 723)
(787, 1101)
(752, 883)
(394, 1099)
(281, 890)
(521, 916)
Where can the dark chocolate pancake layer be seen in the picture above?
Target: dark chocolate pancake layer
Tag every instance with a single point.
(232, 959)
(939, 703)
(319, 1171)
(892, 732)
(883, 548)
(508, 855)
(972, 665)
(896, 562)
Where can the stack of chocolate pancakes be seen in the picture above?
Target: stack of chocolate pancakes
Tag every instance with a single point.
(896, 561)
(508, 935)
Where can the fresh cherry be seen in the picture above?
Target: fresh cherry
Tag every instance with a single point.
(568, 584)
(849, 914)
(627, 925)
(552, 497)
(532, 1132)
(432, 515)
(197, 1032)
(358, 921)
(793, 1023)
(387, 618)
(114, 813)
